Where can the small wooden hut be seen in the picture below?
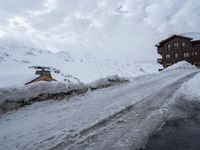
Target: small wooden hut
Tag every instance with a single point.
(44, 75)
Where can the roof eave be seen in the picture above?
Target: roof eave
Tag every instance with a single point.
(163, 41)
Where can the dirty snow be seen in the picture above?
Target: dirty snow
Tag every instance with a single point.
(110, 80)
(120, 117)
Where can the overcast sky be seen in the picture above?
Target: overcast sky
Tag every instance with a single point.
(103, 27)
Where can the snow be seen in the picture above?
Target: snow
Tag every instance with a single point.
(41, 91)
(191, 89)
(193, 35)
(180, 65)
(107, 81)
(25, 93)
(118, 117)
(16, 60)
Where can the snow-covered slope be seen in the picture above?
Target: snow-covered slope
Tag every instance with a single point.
(115, 118)
(15, 63)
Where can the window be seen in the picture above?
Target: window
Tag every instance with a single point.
(192, 53)
(167, 65)
(167, 56)
(176, 45)
(168, 47)
(197, 64)
(186, 54)
(176, 55)
(183, 45)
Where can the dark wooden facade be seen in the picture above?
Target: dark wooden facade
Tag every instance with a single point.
(178, 48)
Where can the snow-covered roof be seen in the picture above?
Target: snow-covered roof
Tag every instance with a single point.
(171, 37)
(194, 35)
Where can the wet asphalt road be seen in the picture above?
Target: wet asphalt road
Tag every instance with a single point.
(177, 135)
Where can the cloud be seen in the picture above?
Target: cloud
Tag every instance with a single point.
(111, 28)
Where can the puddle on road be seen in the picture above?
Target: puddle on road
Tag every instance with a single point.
(177, 135)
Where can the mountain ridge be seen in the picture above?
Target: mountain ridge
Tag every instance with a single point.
(17, 60)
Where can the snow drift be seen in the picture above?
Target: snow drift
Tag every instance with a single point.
(180, 65)
(18, 96)
(191, 89)
(106, 82)
(189, 95)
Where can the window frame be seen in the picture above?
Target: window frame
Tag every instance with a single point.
(183, 46)
(176, 45)
(167, 56)
(186, 56)
(176, 55)
(168, 47)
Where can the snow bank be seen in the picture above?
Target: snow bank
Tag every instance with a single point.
(185, 101)
(18, 93)
(191, 89)
(189, 94)
(18, 96)
(108, 81)
(183, 105)
(180, 65)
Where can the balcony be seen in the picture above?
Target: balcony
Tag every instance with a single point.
(159, 60)
(159, 51)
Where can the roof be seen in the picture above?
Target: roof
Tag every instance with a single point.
(194, 35)
(171, 37)
(196, 42)
(41, 78)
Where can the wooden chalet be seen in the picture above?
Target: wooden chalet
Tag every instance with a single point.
(178, 48)
(44, 75)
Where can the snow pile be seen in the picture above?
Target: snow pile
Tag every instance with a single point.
(180, 65)
(191, 89)
(189, 94)
(18, 96)
(33, 90)
(108, 81)
(26, 93)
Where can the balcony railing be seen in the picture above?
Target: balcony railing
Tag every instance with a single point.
(159, 51)
(159, 60)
